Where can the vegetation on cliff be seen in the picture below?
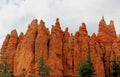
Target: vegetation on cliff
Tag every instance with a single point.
(42, 69)
(4, 68)
(86, 68)
(115, 68)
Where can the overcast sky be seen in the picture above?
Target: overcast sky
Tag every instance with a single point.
(17, 14)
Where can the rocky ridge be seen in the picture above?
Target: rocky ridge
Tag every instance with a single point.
(61, 50)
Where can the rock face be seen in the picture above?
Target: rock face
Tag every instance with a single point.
(55, 50)
(95, 56)
(9, 47)
(42, 41)
(24, 56)
(62, 51)
(106, 33)
(106, 36)
(5, 43)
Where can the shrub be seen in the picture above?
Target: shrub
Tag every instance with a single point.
(4, 68)
(85, 68)
(115, 68)
(42, 69)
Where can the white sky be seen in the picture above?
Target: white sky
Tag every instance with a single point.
(17, 14)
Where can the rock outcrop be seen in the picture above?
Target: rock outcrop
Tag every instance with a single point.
(55, 50)
(106, 36)
(9, 47)
(5, 43)
(62, 51)
(24, 56)
(42, 41)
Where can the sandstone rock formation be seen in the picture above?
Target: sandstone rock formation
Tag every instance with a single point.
(106, 36)
(42, 41)
(95, 56)
(24, 57)
(9, 47)
(55, 50)
(5, 43)
(61, 50)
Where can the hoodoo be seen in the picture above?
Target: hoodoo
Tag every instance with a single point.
(62, 51)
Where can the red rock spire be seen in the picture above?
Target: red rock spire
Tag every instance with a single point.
(42, 24)
(34, 22)
(83, 30)
(5, 43)
(94, 37)
(12, 44)
(102, 22)
(57, 23)
(106, 31)
(111, 23)
(25, 54)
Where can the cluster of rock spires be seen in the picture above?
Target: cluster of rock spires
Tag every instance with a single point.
(61, 50)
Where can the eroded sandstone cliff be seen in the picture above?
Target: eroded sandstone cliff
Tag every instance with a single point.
(61, 50)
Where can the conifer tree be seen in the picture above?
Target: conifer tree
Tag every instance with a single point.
(4, 68)
(85, 68)
(42, 69)
(115, 68)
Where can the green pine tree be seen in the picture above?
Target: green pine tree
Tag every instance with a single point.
(42, 69)
(115, 68)
(85, 68)
(4, 68)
